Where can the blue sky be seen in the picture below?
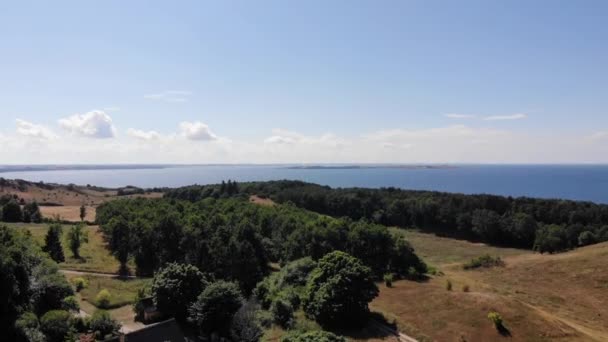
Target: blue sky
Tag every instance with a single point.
(304, 81)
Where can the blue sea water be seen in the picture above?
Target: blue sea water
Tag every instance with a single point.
(578, 182)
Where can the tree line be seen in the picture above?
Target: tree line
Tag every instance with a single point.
(547, 225)
(11, 211)
(235, 240)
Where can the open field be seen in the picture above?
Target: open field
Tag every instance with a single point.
(95, 257)
(560, 297)
(442, 251)
(122, 290)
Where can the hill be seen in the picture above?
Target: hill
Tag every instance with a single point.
(65, 200)
(540, 297)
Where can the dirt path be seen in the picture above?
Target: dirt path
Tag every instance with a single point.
(98, 274)
(401, 337)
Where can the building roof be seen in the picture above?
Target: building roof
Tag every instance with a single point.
(166, 331)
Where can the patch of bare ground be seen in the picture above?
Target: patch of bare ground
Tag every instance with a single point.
(261, 201)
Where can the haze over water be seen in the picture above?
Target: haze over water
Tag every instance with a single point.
(577, 182)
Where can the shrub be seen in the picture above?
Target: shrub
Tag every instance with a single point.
(103, 298)
(312, 336)
(496, 319)
(448, 285)
(483, 261)
(282, 313)
(175, 287)
(55, 324)
(215, 306)
(465, 288)
(70, 303)
(339, 290)
(264, 318)
(80, 283)
(103, 324)
(388, 279)
(586, 238)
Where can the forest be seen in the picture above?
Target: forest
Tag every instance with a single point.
(546, 225)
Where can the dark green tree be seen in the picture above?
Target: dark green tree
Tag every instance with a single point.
(175, 287)
(31, 213)
(339, 290)
(52, 242)
(102, 324)
(55, 324)
(77, 235)
(11, 212)
(215, 306)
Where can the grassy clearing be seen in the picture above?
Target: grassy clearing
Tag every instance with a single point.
(123, 291)
(95, 257)
(437, 250)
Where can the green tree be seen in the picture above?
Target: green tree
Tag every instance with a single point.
(55, 324)
(52, 243)
(11, 212)
(339, 290)
(214, 308)
(312, 336)
(586, 238)
(120, 239)
(175, 287)
(282, 313)
(77, 236)
(31, 213)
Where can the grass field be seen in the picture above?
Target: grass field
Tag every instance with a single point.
(95, 257)
(541, 297)
(122, 290)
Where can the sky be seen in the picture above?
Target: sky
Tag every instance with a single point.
(303, 81)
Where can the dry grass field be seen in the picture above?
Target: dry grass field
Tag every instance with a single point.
(64, 201)
(562, 297)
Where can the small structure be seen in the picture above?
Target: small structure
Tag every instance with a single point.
(165, 331)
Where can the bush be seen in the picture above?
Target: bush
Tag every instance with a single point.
(586, 238)
(80, 283)
(215, 306)
(465, 288)
(282, 313)
(103, 324)
(312, 336)
(175, 287)
(339, 290)
(388, 279)
(496, 319)
(448, 285)
(484, 261)
(55, 324)
(70, 303)
(102, 300)
(28, 328)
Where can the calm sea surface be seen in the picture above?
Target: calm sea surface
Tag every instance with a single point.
(579, 182)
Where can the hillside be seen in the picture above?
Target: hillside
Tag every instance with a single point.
(65, 200)
(541, 297)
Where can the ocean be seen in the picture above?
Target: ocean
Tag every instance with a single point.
(577, 182)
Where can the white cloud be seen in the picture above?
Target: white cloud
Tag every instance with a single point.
(111, 109)
(29, 129)
(93, 124)
(278, 139)
(196, 131)
(170, 96)
(143, 135)
(517, 116)
(459, 116)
